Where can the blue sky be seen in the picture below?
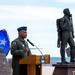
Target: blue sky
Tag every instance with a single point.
(40, 18)
(49, 3)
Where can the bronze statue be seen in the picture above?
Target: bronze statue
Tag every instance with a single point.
(65, 35)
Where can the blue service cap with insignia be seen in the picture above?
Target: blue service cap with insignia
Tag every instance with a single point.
(22, 28)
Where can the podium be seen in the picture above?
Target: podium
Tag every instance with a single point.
(34, 65)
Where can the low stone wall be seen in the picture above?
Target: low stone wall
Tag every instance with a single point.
(5, 67)
(9, 61)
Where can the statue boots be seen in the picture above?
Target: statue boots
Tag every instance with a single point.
(63, 61)
(72, 53)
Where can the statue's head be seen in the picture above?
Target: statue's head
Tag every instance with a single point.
(66, 11)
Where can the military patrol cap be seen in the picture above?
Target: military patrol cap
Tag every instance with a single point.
(22, 28)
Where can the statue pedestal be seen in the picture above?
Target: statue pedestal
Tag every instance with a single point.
(4, 66)
(64, 69)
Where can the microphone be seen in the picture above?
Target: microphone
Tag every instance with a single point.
(34, 45)
(30, 42)
(42, 58)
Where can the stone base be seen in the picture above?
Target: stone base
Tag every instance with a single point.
(4, 66)
(64, 69)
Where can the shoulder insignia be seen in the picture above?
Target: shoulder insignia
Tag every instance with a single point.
(13, 43)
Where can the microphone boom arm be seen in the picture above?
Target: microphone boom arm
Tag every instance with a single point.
(38, 49)
(35, 46)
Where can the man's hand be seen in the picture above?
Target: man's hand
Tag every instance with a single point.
(73, 36)
(58, 43)
(26, 50)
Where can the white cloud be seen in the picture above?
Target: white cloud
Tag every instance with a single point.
(9, 12)
(66, 1)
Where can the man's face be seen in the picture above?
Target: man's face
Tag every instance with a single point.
(67, 12)
(23, 33)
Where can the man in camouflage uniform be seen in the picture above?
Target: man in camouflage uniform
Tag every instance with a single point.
(19, 50)
(67, 35)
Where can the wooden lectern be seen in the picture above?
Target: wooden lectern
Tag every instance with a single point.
(34, 65)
